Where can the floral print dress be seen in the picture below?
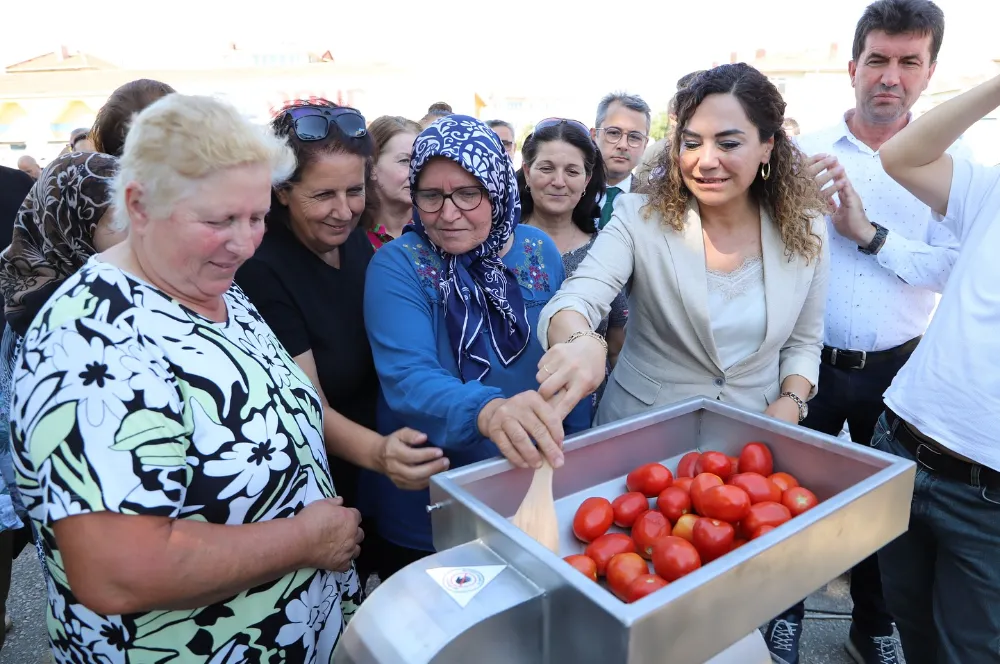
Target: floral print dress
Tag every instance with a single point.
(125, 401)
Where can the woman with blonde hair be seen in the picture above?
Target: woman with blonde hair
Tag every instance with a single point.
(169, 450)
(394, 137)
(726, 266)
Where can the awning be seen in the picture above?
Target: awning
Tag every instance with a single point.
(12, 130)
(76, 114)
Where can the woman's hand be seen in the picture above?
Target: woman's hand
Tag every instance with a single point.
(409, 467)
(784, 409)
(334, 532)
(513, 423)
(569, 372)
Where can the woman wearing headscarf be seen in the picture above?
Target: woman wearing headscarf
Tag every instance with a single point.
(61, 223)
(450, 308)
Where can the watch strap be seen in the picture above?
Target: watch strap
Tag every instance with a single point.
(881, 232)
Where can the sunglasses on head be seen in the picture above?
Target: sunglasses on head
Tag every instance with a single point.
(553, 122)
(312, 123)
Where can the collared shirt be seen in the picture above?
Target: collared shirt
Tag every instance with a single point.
(882, 301)
(950, 387)
(625, 185)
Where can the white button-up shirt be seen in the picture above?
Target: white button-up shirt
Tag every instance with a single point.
(950, 387)
(879, 302)
(625, 185)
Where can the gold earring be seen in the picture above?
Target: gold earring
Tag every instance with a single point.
(765, 173)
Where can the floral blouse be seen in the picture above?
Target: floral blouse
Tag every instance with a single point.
(125, 401)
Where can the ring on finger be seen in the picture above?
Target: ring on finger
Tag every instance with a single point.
(547, 370)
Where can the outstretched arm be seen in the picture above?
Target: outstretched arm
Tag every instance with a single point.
(916, 158)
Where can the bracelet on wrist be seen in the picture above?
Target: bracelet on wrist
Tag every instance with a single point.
(588, 333)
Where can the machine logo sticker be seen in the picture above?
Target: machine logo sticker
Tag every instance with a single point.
(464, 583)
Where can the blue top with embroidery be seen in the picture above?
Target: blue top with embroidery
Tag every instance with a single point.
(421, 386)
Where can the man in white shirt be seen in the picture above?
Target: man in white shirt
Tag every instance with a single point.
(888, 259)
(621, 134)
(942, 577)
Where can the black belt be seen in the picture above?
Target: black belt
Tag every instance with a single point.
(935, 458)
(858, 359)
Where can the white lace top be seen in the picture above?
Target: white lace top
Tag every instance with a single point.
(737, 310)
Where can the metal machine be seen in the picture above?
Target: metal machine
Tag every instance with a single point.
(494, 595)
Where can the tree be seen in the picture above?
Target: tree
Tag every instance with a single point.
(661, 126)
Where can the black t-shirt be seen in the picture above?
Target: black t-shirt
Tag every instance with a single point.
(311, 305)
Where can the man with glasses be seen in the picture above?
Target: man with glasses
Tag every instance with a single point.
(621, 134)
(505, 131)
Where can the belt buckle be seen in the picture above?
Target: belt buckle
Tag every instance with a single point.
(921, 447)
(835, 352)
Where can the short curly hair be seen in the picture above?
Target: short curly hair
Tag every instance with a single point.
(791, 196)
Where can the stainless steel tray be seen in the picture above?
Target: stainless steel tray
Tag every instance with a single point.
(865, 504)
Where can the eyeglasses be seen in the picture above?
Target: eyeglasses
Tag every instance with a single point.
(466, 199)
(614, 135)
(553, 122)
(312, 123)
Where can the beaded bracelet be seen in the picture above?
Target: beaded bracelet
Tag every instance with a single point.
(588, 333)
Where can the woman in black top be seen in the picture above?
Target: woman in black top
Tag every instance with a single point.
(307, 279)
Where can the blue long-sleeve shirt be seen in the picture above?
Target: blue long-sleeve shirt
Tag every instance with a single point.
(421, 387)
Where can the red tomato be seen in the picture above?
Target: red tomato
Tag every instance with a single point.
(649, 479)
(737, 543)
(583, 564)
(642, 586)
(592, 519)
(623, 568)
(686, 466)
(674, 557)
(784, 481)
(725, 503)
(763, 530)
(700, 484)
(759, 488)
(765, 514)
(628, 507)
(605, 547)
(673, 502)
(734, 463)
(648, 528)
(756, 458)
(799, 499)
(684, 484)
(716, 463)
(713, 538)
(684, 527)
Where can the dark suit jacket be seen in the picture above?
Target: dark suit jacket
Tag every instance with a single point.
(14, 186)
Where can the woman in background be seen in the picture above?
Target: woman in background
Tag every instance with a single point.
(114, 118)
(393, 136)
(560, 182)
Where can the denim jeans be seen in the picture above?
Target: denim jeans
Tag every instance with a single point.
(941, 578)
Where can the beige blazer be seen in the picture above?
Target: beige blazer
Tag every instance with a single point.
(669, 353)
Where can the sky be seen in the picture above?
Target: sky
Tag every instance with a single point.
(534, 42)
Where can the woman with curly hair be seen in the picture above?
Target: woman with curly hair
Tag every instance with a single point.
(725, 262)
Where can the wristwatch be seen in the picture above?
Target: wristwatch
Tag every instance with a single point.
(803, 406)
(876, 244)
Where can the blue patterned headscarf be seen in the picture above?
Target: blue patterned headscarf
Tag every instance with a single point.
(482, 297)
